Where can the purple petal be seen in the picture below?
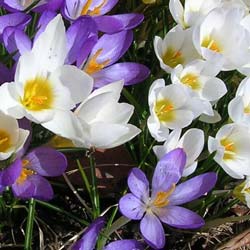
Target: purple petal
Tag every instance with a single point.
(15, 40)
(131, 73)
(51, 5)
(9, 175)
(112, 47)
(46, 161)
(124, 245)
(117, 23)
(6, 75)
(44, 19)
(138, 184)
(81, 37)
(152, 230)
(18, 20)
(180, 217)
(131, 207)
(168, 170)
(35, 186)
(193, 188)
(88, 241)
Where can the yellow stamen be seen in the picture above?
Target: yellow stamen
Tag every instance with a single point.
(230, 149)
(38, 94)
(93, 66)
(247, 190)
(161, 199)
(211, 44)
(95, 11)
(247, 109)
(24, 175)
(25, 163)
(164, 110)
(5, 142)
(172, 57)
(192, 81)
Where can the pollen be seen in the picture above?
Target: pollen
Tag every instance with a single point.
(5, 142)
(173, 57)
(96, 11)
(161, 199)
(209, 43)
(192, 81)
(229, 147)
(38, 94)
(164, 110)
(247, 109)
(25, 173)
(93, 66)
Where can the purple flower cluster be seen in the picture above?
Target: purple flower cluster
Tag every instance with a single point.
(96, 55)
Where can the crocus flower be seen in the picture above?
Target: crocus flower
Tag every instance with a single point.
(88, 241)
(17, 20)
(44, 88)
(97, 9)
(192, 142)
(26, 174)
(102, 112)
(171, 107)
(239, 106)
(232, 147)
(12, 138)
(176, 48)
(198, 77)
(224, 41)
(162, 203)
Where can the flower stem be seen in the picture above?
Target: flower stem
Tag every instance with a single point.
(29, 225)
(95, 194)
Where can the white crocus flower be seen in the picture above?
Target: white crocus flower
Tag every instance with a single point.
(239, 107)
(12, 138)
(192, 143)
(200, 83)
(221, 39)
(103, 120)
(171, 107)
(45, 90)
(192, 12)
(176, 48)
(232, 146)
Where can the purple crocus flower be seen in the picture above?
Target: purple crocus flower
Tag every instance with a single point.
(88, 241)
(17, 20)
(97, 9)
(17, 5)
(26, 174)
(106, 52)
(163, 203)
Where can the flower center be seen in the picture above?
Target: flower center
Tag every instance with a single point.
(247, 109)
(93, 66)
(192, 81)
(95, 11)
(5, 142)
(25, 173)
(164, 110)
(247, 190)
(161, 199)
(38, 94)
(173, 57)
(229, 147)
(209, 43)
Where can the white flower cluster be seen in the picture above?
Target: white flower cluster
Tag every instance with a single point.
(61, 98)
(210, 36)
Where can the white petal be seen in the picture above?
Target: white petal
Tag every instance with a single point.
(210, 119)
(156, 86)
(78, 82)
(23, 135)
(188, 170)
(236, 109)
(177, 11)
